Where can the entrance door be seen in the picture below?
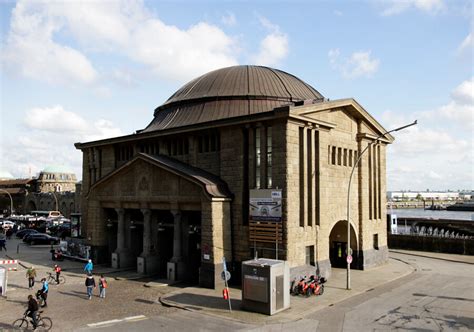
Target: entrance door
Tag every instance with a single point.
(338, 254)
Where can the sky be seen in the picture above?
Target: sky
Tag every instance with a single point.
(77, 71)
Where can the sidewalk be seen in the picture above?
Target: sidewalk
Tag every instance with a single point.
(209, 301)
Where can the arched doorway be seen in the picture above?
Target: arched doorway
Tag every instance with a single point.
(338, 245)
(31, 206)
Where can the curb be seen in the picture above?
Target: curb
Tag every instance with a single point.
(165, 302)
(428, 256)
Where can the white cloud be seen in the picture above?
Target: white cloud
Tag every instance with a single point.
(438, 153)
(31, 51)
(48, 137)
(464, 93)
(229, 19)
(120, 28)
(394, 7)
(359, 64)
(274, 47)
(467, 44)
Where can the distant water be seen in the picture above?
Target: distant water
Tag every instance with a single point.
(443, 214)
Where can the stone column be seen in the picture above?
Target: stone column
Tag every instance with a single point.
(120, 230)
(177, 236)
(146, 232)
(176, 268)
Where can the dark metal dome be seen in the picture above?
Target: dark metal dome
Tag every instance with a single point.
(230, 92)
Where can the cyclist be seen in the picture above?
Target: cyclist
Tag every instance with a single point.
(32, 310)
(57, 269)
(43, 292)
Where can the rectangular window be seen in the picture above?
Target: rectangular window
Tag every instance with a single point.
(345, 157)
(339, 156)
(376, 241)
(258, 156)
(269, 157)
(333, 155)
(350, 158)
(310, 255)
(301, 177)
(206, 143)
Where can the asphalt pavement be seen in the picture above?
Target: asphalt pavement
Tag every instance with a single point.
(131, 306)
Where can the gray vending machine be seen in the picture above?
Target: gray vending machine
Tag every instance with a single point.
(265, 285)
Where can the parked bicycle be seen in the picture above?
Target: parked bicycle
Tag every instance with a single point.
(51, 278)
(43, 323)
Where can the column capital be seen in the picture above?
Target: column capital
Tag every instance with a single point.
(146, 212)
(120, 211)
(176, 213)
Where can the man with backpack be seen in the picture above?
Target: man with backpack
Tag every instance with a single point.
(90, 284)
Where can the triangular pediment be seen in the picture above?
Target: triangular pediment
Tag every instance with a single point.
(341, 113)
(160, 176)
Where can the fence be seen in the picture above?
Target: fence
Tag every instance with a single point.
(449, 245)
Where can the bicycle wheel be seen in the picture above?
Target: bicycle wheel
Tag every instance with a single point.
(21, 322)
(45, 323)
(62, 280)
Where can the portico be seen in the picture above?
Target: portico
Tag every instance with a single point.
(160, 225)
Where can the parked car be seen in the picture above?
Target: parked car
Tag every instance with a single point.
(21, 234)
(40, 238)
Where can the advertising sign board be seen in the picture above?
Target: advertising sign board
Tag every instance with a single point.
(265, 205)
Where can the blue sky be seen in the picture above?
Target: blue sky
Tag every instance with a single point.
(73, 71)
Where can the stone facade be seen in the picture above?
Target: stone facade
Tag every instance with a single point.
(189, 181)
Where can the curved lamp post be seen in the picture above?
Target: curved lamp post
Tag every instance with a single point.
(11, 200)
(348, 249)
(56, 200)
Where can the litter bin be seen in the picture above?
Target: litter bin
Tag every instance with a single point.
(265, 285)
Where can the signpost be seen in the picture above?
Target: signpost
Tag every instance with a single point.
(226, 276)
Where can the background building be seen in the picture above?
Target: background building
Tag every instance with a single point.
(173, 198)
(55, 188)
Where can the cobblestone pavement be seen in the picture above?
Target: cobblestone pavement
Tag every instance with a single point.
(68, 305)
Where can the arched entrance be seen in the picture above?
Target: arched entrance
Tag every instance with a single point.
(338, 245)
(31, 206)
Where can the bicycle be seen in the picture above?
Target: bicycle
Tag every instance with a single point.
(52, 279)
(43, 323)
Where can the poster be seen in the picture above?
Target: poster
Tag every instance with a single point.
(265, 205)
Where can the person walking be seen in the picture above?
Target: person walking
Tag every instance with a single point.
(102, 286)
(57, 269)
(89, 267)
(31, 275)
(90, 285)
(43, 292)
(32, 310)
(3, 240)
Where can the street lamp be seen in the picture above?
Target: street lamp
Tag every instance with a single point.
(11, 200)
(348, 249)
(56, 200)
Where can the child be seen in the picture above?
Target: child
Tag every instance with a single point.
(57, 269)
(102, 286)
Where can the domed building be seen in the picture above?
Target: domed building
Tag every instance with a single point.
(240, 161)
(56, 178)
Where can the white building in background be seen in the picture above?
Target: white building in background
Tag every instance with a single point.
(395, 196)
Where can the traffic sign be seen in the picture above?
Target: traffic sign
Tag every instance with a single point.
(225, 275)
(349, 259)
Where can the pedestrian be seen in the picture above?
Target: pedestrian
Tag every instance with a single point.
(88, 267)
(32, 310)
(90, 284)
(9, 233)
(57, 269)
(102, 286)
(31, 275)
(3, 241)
(43, 292)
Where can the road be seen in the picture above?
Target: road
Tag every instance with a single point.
(438, 296)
